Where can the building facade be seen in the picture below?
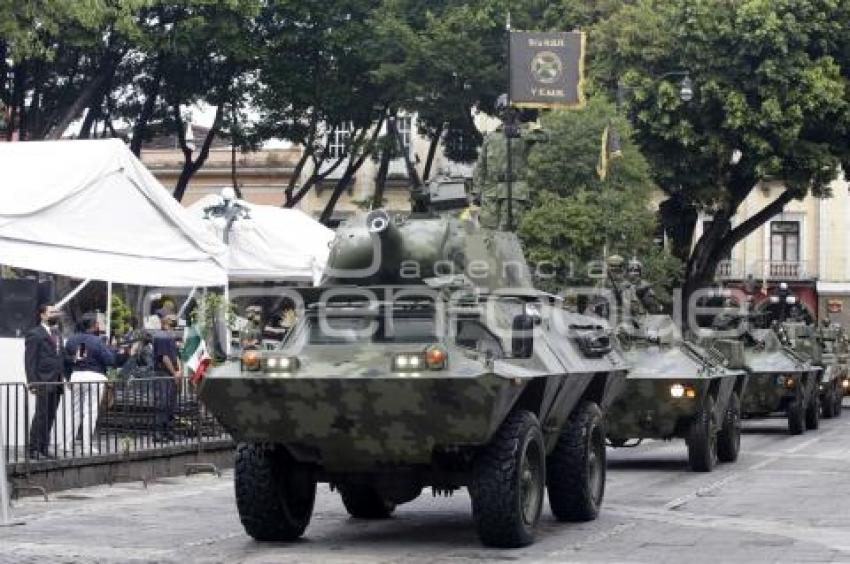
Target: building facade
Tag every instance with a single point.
(807, 246)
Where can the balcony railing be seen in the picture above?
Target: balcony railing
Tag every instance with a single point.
(765, 269)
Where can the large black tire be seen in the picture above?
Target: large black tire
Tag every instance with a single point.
(575, 470)
(813, 411)
(364, 502)
(702, 439)
(509, 476)
(729, 437)
(827, 404)
(274, 494)
(796, 412)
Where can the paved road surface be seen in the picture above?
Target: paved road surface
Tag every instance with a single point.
(786, 500)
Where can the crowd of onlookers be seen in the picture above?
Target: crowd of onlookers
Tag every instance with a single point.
(77, 368)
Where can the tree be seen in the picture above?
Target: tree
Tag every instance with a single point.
(770, 103)
(316, 80)
(576, 218)
(57, 59)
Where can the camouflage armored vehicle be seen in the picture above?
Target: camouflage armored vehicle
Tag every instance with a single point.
(678, 390)
(780, 379)
(822, 347)
(426, 359)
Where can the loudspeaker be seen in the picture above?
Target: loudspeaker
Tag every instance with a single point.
(18, 306)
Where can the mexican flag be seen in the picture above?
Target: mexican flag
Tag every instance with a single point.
(195, 357)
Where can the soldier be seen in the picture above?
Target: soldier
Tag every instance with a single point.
(615, 281)
(490, 178)
(646, 301)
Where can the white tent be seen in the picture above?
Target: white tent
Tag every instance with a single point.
(272, 243)
(91, 210)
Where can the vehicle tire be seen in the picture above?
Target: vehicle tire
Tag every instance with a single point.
(575, 470)
(827, 405)
(796, 416)
(702, 439)
(364, 502)
(813, 411)
(509, 475)
(729, 437)
(274, 494)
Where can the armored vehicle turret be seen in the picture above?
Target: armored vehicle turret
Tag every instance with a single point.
(426, 359)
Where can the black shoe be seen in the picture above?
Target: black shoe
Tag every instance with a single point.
(34, 455)
(46, 455)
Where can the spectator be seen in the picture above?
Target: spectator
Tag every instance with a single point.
(45, 372)
(88, 359)
(167, 367)
(282, 323)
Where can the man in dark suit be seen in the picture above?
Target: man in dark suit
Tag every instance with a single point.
(44, 365)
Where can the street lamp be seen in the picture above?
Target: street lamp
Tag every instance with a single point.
(686, 87)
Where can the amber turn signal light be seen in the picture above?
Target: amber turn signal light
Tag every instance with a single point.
(436, 358)
(251, 360)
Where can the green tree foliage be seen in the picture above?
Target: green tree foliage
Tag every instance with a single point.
(576, 217)
(770, 86)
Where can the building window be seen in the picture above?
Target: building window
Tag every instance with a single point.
(405, 131)
(785, 241)
(340, 140)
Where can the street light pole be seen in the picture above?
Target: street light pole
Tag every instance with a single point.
(686, 87)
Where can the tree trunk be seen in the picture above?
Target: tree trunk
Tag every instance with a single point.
(190, 167)
(432, 152)
(381, 179)
(86, 97)
(412, 174)
(719, 240)
(350, 171)
(293, 180)
(141, 127)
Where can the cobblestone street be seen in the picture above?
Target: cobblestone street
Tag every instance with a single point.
(782, 502)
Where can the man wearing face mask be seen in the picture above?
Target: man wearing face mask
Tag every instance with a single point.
(44, 366)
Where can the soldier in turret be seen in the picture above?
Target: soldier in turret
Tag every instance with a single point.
(645, 299)
(492, 173)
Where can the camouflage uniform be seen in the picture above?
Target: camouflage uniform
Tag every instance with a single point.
(490, 178)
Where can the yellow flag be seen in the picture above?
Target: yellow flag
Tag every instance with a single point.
(610, 149)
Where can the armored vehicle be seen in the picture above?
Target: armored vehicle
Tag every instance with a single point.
(678, 390)
(780, 379)
(426, 359)
(822, 347)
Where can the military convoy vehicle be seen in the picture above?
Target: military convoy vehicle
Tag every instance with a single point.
(678, 390)
(426, 359)
(780, 379)
(836, 351)
(822, 347)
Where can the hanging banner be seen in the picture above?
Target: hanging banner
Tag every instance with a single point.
(547, 69)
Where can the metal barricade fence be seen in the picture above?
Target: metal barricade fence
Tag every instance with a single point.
(94, 418)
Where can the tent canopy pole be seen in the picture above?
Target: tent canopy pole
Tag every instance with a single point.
(70, 296)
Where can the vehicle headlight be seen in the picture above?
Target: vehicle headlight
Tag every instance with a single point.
(282, 364)
(407, 362)
(682, 391)
(786, 381)
(845, 383)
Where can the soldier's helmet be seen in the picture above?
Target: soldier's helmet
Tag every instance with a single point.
(635, 269)
(615, 266)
